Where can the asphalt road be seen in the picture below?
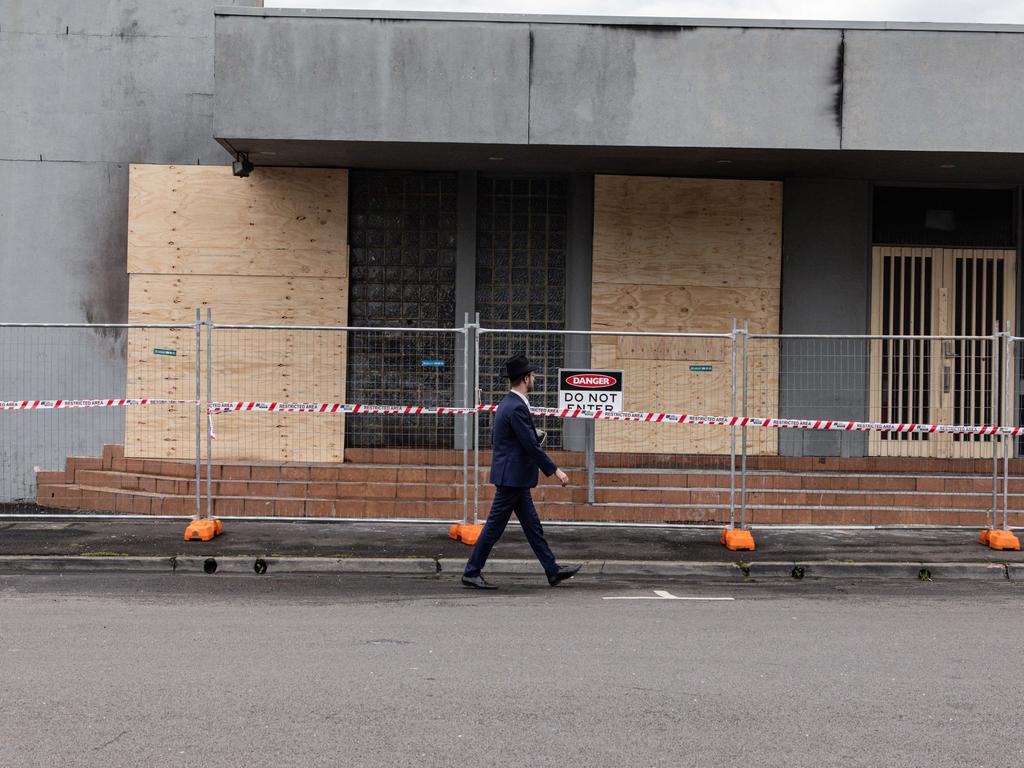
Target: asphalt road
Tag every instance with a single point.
(192, 670)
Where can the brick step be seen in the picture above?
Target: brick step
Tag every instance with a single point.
(627, 474)
(939, 492)
(144, 503)
(829, 481)
(977, 498)
(773, 497)
(626, 462)
(880, 464)
(947, 482)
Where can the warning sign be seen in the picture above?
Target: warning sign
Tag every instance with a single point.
(590, 390)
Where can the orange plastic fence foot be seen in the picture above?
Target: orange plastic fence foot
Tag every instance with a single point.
(467, 533)
(1003, 540)
(983, 536)
(470, 533)
(203, 530)
(737, 538)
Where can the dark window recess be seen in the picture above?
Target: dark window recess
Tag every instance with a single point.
(520, 283)
(402, 232)
(943, 217)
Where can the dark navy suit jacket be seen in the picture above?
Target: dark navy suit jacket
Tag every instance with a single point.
(516, 453)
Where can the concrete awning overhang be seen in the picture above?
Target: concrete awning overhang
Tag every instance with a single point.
(911, 167)
(917, 103)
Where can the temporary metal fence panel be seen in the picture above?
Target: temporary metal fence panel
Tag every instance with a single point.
(648, 470)
(70, 389)
(875, 429)
(1012, 490)
(323, 395)
(906, 406)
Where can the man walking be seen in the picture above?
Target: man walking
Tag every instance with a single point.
(516, 458)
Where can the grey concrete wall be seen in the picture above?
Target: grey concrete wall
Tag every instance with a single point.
(825, 290)
(481, 81)
(88, 86)
(683, 86)
(465, 300)
(942, 91)
(579, 270)
(372, 80)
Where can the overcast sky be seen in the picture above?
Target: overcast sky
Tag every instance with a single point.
(964, 11)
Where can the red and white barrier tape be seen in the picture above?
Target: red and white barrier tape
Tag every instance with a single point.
(407, 410)
(44, 405)
(561, 413)
(757, 421)
(639, 416)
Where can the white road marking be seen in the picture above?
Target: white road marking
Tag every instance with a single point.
(662, 594)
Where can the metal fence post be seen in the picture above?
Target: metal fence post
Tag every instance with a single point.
(465, 419)
(591, 435)
(732, 435)
(199, 414)
(743, 441)
(997, 339)
(476, 419)
(209, 399)
(1009, 359)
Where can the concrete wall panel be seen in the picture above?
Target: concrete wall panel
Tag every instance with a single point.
(956, 92)
(825, 290)
(89, 85)
(684, 86)
(101, 98)
(371, 80)
(62, 259)
(317, 76)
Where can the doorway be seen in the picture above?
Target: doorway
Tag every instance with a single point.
(937, 292)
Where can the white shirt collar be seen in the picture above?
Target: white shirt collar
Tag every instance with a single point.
(514, 392)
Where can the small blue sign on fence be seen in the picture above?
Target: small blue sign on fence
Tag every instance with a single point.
(432, 363)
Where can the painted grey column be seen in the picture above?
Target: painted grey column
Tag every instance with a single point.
(826, 288)
(465, 277)
(579, 262)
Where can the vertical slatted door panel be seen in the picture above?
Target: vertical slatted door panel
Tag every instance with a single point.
(983, 302)
(903, 381)
(945, 292)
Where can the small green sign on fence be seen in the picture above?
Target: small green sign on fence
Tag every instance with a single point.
(165, 352)
(700, 368)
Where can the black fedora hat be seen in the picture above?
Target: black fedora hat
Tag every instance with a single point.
(518, 365)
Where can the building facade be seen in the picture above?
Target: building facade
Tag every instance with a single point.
(548, 173)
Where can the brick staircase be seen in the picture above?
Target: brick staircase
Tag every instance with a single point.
(387, 483)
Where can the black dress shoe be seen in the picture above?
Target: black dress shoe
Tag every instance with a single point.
(477, 582)
(564, 572)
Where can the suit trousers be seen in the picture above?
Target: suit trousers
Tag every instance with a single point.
(506, 501)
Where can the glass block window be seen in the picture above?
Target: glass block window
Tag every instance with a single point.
(402, 234)
(520, 282)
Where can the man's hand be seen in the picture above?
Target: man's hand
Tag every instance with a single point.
(562, 477)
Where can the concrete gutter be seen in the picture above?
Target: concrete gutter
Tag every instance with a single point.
(736, 572)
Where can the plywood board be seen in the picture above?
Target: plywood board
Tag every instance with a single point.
(241, 299)
(247, 364)
(682, 308)
(202, 220)
(272, 252)
(684, 256)
(670, 348)
(695, 232)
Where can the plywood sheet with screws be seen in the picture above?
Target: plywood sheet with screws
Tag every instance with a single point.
(684, 256)
(270, 249)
